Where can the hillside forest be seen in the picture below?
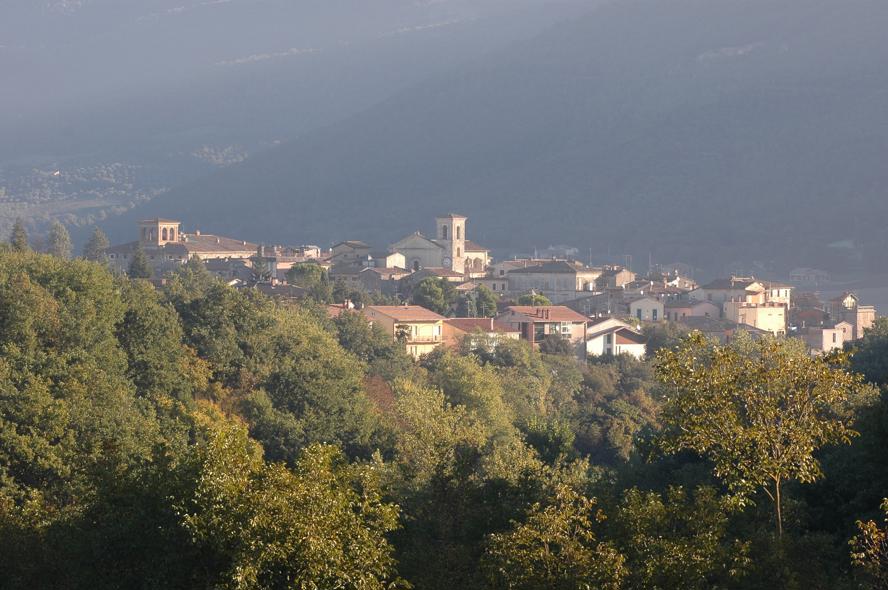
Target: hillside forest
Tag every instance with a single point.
(195, 436)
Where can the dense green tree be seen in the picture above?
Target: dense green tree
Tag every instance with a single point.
(555, 344)
(58, 242)
(433, 434)
(322, 525)
(368, 342)
(555, 548)
(660, 335)
(757, 409)
(96, 246)
(475, 387)
(152, 337)
(486, 302)
(869, 550)
(314, 279)
(295, 383)
(69, 419)
(18, 239)
(871, 353)
(429, 294)
(139, 267)
(679, 541)
(533, 299)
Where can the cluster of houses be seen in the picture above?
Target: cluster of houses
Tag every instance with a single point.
(597, 310)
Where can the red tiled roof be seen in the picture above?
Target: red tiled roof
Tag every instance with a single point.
(484, 324)
(211, 243)
(473, 247)
(624, 336)
(546, 313)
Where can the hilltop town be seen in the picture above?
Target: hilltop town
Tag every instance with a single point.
(433, 290)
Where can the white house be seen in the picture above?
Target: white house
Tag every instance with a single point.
(613, 337)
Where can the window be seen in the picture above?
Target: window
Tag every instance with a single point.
(458, 253)
(444, 231)
(494, 286)
(638, 313)
(164, 233)
(834, 337)
(502, 272)
(458, 232)
(654, 314)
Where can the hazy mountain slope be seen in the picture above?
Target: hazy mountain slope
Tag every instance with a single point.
(105, 103)
(700, 129)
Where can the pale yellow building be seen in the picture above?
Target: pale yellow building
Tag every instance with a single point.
(421, 330)
(770, 317)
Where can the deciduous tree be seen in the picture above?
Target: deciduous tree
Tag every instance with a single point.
(556, 548)
(759, 410)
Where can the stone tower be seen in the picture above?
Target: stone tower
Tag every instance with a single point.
(451, 231)
(157, 232)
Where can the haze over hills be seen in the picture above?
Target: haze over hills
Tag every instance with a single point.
(108, 103)
(716, 130)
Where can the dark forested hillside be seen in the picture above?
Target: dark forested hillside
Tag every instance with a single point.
(742, 125)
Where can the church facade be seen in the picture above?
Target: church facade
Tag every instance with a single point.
(450, 249)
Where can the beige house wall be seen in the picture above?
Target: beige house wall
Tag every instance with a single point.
(647, 310)
(768, 317)
(422, 337)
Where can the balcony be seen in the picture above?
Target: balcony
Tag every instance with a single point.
(423, 339)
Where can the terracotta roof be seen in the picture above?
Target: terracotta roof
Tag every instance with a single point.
(626, 336)
(442, 272)
(545, 313)
(212, 243)
(406, 313)
(473, 247)
(521, 263)
(483, 324)
(335, 310)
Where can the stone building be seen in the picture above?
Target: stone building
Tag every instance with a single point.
(166, 247)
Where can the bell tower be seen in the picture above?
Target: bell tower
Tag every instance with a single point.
(157, 232)
(451, 232)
